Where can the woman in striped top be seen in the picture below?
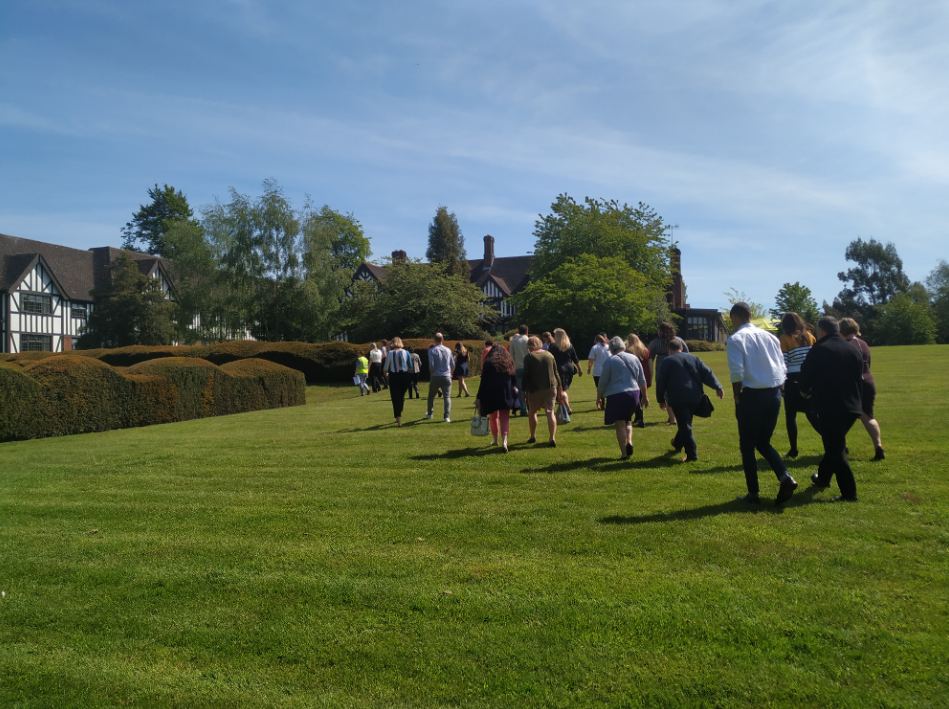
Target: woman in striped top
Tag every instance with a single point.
(400, 367)
(796, 342)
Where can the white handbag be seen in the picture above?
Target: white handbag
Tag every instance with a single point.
(479, 425)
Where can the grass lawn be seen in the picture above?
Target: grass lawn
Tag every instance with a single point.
(318, 556)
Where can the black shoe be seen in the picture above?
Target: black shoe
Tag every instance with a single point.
(841, 498)
(532, 440)
(750, 499)
(785, 491)
(816, 481)
(629, 449)
(675, 448)
(640, 424)
(791, 453)
(879, 454)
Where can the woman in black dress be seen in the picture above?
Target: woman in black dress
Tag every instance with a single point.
(497, 392)
(568, 363)
(461, 368)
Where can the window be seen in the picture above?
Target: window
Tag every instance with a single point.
(37, 304)
(36, 343)
(697, 328)
(78, 313)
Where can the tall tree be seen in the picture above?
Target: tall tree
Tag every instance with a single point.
(938, 285)
(446, 244)
(605, 229)
(152, 221)
(128, 309)
(348, 246)
(877, 277)
(903, 321)
(795, 298)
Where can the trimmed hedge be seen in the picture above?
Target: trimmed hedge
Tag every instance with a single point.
(69, 394)
(703, 346)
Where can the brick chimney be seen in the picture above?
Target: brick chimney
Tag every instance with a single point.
(488, 252)
(399, 255)
(677, 295)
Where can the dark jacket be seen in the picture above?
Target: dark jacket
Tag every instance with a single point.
(565, 360)
(831, 374)
(680, 379)
(496, 390)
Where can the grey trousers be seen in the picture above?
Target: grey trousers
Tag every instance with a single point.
(444, 384)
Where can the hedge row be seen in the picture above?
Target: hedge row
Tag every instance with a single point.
(63, 395)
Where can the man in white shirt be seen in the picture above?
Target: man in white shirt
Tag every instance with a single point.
(518, 352)
(441, 363)
(757, 371)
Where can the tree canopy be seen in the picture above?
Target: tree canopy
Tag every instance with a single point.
(795, 298)
(877, 276)
(130, 308)
(152, 221)
(938, 284)
(904, 321)
(446, 243)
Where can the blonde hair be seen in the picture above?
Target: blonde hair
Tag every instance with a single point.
(396, 343)
(848, 326)
(635, 345)
(561, 340)
(534, 343)
(461, 348)
(372, 346)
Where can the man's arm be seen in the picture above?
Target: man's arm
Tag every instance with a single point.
(736, 365)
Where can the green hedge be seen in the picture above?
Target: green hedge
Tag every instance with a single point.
(69, 394)
(703, 346)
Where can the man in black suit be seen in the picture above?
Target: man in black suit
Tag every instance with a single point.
(831, 374)
(679, 384)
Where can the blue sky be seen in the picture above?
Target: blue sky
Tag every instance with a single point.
(771, 133)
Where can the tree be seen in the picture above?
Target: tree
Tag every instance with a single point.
(129, 309)
(348, 246)
(903, 321)
(938, 284)
(877, 277)
(605, 229)
(416, 300)
(151, 222)
(795, 298)
(587, 295)
(446, 244)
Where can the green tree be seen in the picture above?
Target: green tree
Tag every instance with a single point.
(416, 300)
(795, 298)
(151, 222)
(587, 295)
(938, 284)
(903, 321)
(446, 244)
(348, 245)
(128, 309)
(605, 229)
(877, 277)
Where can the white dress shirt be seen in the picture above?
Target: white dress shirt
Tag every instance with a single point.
(755, 358)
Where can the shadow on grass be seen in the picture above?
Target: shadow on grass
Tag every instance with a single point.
(767, 506)
(470, 452)
(601, 464)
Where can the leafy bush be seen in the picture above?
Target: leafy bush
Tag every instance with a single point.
(703, 346)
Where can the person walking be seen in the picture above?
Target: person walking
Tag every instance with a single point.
(546, 340)
(488, 344)
(384, 348)
(679, 385)
(362, 371)
(416, 368)
(659, 350)
(398, 365)
(635, 346)
(497, 391)
(375, 368)
(757, 372)
(796, 342)
(461, 367)
(850, 331)
(623, 385)
(567, 363)
(832, 373)
(542, 387)
(599, 353)
(519, 350)
(440, 366)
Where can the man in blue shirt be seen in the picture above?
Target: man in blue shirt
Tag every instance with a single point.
(441, 363)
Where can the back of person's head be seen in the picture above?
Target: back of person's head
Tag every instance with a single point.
(385, 342)
(534, 343)
(439, 338)
(848, 327)
(561, 339)
(666, 331)
(547, 338)
(460, 348)
(359, 353)
(635, 345)
(829, 325)
(742, 310)
(617, 345)
(794, 327)
(599, 340)
(522, 330)
(674, 345)
(500, 359)
(410, 350)
(396, 343)
(372, 346)
(488, 343)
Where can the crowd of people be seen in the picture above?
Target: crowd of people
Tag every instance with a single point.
(824, 375)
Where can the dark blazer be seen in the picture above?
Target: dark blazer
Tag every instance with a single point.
(496, 390)
(831, 374)
(680, 379)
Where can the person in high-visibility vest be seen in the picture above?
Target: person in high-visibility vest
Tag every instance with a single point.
(362, 371)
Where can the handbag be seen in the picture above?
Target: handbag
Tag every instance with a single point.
(479, 424)
(356, 380)
(563, 416)
(703, 407)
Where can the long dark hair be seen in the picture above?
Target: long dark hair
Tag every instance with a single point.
(666, 331)
(794, 328)
(500, 360)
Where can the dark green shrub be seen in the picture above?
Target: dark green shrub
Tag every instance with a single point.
(198, 383)
(703, 346)
(21, 405)
(254, 384)
(154, 400)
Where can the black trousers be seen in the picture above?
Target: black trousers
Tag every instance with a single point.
(833, 431)
(757, 413)
(794, 404)
(399, 383)
(684, 435)
(375, 376)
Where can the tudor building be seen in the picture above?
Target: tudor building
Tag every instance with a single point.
(46, 290)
